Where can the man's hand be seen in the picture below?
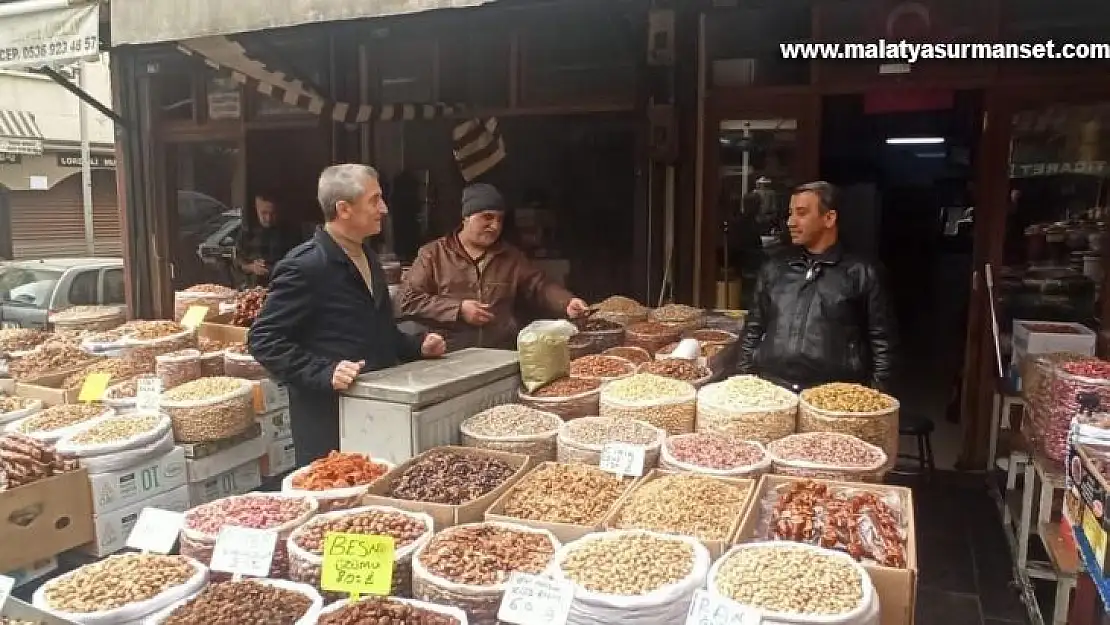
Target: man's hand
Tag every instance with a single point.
(433, 346)
(257, 268)
(345, 373)
(475, 313)
(576, 308)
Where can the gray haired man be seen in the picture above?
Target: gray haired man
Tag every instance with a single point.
(328, 315)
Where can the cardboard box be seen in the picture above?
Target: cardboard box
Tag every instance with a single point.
(281, 456)
(112, 528)
(112, 491)
(7, 385)
(1086, 500)
(715, 547)
(46, 388)
(45, 518)
(237, 481)
(897, 588)
(208, 467)
(33, 571)
(269, 396)
(195, 451)
(565, 532)
(1028, 338)
(221, 332)
(276, 425)
(447, 515)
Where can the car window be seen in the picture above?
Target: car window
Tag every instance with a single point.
(82, 291)
(113, 287)
(32, 287)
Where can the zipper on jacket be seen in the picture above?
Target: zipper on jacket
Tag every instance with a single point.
(808, 295)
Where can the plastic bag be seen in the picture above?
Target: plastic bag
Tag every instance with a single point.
(68, 447)
(865, 613)
(121, 460)
(332, 499)
(720, 411)
(668, 604)
(668, 462)
(304, 566)
(813, 468)
(34, 406)
(539, 446)
(479, 602)
(544, 355)
(309, 617)
(130, 612)
(424, 605)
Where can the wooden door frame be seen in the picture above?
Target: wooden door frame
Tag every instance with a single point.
(1001, 103)
(803, 105)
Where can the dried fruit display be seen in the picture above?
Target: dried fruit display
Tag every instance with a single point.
(21, 339)
(245, 601)
(339, 470)
(48, 358)
(450, 477)
(248, 304)
(24, 460)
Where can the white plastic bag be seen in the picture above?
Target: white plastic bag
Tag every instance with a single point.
(335, 498)
(11, 417)
(52, 436)
(121, 460)
(866, 613)
(68, 447)
(668, 604)
(130, 612)
(543, 352)
(309, 617)
(431, 607)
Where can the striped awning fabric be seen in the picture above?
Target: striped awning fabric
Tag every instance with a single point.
(478, 145)
(19, 133)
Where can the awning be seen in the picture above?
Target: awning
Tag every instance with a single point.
(19, 133)
(48, 33)
(147, 21)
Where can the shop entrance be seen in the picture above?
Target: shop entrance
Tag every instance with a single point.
(904, 162)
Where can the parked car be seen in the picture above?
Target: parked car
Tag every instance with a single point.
(32, 289)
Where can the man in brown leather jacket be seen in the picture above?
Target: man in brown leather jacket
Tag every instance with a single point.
(469, 285)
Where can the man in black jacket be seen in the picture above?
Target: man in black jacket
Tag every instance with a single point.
(820, 314)
(328, 315)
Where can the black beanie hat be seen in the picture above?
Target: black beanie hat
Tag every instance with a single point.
(481, 197)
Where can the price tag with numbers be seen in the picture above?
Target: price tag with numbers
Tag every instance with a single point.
(148, 393)
(244, 551)
(6, 585)
(357, 564)
(535, 600)
(707, 609)
(156, 530)
(622, 459)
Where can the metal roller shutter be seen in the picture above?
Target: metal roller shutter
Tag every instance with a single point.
(51, 223)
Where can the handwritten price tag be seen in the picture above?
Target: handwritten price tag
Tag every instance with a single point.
(244, 551)
(6, 585)
(148, 393)
(94, 386)
(358, 564)
(194, 316)
(156, 530)
(707, 609)
(535, 600)
(622, 459)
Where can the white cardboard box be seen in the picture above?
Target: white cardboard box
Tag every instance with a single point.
(33, 571)
(1026, 340)
(112, 528)
(202, 469)
(276, 425)
(280, 457)
(237, 481)
(270, 396)
(112, 491)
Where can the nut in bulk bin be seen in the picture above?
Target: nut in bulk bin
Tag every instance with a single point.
(210, 409)
(828, 455)
(851, 409)
(747, 408)
(665, 403)
(570, 398)
(583, 440)
(513, 428)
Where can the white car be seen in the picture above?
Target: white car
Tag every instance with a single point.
(32, 289)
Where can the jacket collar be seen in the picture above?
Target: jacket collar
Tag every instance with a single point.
(831, 256)
(333, 251)
(453, 243)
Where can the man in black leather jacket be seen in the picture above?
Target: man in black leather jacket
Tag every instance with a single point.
(820, 314)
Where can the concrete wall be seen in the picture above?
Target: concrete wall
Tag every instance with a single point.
(55, 108)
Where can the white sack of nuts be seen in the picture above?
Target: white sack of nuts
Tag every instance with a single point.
(583, 440)
(666, 403)
(828, 455)
(796, 584)
(309, 617)
(445, 610)
(53, 423)
(714, 454)
(632, 577)
(748, 408)
(121, 589)
(13, 409)
(115, 434)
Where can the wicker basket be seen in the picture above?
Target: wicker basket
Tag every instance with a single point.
(761, 425)
(650, 337)
(571, 450)
(572, 407)
(539, 447)
(822, 471)
(878, 428)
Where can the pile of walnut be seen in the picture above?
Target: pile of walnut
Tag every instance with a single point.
(247, 306)
(859, 523)
(24, 460)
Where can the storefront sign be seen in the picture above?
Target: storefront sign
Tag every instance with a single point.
(10, 159)
(12, 145)
(49, 37)
(1030, 170)
(357, 564)
(96, 161)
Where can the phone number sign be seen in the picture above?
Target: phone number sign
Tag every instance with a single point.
(52, 37)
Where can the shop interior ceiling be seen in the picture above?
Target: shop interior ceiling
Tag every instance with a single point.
(478, 145)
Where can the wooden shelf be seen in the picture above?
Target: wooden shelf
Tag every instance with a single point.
(1062, 551)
